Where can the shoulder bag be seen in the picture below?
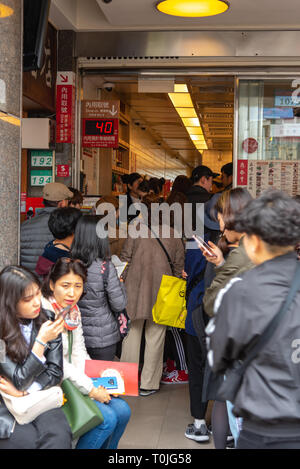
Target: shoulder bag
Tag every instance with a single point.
(234, 376)
(80, 410)
(170, 306)
(27, 408)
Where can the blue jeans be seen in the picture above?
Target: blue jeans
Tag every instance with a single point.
(116, 415)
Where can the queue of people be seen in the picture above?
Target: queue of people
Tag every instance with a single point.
(234, 287)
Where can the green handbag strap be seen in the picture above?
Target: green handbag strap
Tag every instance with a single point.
(70, 345)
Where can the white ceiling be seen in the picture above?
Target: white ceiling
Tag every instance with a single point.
(95, 15)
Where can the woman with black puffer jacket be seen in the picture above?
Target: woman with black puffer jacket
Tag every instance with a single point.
(104, 294)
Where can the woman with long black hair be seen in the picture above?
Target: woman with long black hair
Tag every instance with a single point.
(104, 293)
(33, 361)
(63, 288)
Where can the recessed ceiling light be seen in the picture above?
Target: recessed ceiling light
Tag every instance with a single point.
(193, 8)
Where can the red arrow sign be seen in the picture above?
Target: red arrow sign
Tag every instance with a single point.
(64, 78)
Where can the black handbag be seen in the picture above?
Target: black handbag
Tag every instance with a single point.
(234, 376)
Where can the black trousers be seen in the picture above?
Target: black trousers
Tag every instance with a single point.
(249, 440)
(48, 431)
(196, 366)
(105, 353)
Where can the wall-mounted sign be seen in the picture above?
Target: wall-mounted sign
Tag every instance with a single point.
(65, 107)
(242, 172)
(40, 177)
(286, 98)
(285, 130)
(100, 124)
(278, 113)
(41, 158)
(250, 145)
(63, 170)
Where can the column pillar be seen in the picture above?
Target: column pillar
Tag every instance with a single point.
(11, 41)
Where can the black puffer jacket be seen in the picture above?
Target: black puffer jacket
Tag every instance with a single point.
(100, 328)
(32, 370)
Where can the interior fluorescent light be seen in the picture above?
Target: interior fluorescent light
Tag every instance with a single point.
(181, 99)
(198, 138)
(191, 122)
(186, 112)
(194, 130)
(192, 8)
(180, 88)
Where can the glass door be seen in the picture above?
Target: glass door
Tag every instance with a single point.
(267, 140)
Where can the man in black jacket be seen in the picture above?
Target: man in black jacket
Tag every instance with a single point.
(200, 192)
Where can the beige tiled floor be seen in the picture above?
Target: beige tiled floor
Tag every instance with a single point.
(159, 421)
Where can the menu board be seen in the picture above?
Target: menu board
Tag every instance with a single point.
(263, 175)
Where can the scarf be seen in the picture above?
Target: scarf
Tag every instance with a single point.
(72, 319)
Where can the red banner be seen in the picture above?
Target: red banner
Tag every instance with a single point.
(242, 173)
(65, 107)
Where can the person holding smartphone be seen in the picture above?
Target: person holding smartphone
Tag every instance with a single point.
(33, 361)
(228, 206)
(62, 290)
(268, 398)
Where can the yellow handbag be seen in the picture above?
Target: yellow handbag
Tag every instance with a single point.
(170, 306)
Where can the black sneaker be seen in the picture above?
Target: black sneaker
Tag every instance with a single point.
(198, 434)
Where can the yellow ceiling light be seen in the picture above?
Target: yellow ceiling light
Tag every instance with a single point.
(191, 122)
(186, 112)
(201, 146)
(194, 130)
(180, 88)
(181, 99)
(5, 11)
(197, 138)
(192, 8)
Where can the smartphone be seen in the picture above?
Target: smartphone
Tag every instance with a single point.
(204, 246)
(64, 312)
(106, 382)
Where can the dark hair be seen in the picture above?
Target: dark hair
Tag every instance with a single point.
(63, 266)
(77, 197)
(182, 184)
(62, 222)
(14, 281)
(148, 200)
(129, 179)
(230, 204)
(154, 185)
(144, 186)
(274, 217)
(90, 240)
(227, 169)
